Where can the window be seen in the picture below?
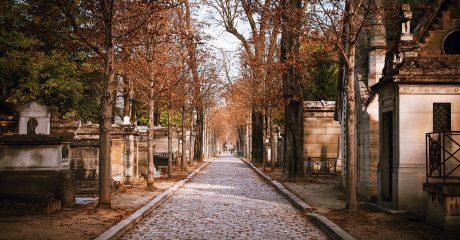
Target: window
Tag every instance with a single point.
(451, 43)
(441, 117)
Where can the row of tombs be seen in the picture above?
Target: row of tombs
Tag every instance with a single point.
(44, 163)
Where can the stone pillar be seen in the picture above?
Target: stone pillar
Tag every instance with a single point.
(129, 159)
(377, 45)
(136, 159)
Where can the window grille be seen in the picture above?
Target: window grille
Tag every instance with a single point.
(441, 117)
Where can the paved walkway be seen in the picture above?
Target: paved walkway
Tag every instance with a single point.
(227, 200)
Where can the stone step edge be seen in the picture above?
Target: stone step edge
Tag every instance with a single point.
(124, 225)
(327, 226)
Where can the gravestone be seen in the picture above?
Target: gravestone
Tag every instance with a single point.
(34, 118)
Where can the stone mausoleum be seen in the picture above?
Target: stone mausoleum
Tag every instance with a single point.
(408, 75)
(419, 107)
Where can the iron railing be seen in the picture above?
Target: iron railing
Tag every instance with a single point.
(319, 165)
(443, 156)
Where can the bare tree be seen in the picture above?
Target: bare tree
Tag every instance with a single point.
(106, 17)
(341, 23)
(259, 49)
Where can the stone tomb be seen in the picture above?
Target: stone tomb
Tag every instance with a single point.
(321, 137)
(37, 111)
(34, 168)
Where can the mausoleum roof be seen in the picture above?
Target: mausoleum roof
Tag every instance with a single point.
(424, 70)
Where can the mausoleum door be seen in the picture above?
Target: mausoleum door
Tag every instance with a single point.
(387, 163)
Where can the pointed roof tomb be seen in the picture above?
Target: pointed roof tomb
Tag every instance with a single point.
(34, 118)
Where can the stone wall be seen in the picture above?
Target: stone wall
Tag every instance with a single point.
(128, 152)
(321, 131)
(84, 160)
(368, 152)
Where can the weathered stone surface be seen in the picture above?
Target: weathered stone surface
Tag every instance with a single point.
(35, 189)
(443, 208)
(226, 201)
(36, 151)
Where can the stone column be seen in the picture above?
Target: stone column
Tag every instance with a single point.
(136, 159)
(129, 159)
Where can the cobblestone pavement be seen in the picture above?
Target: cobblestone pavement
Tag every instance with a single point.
(226, 200)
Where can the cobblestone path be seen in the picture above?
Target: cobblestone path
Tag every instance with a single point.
(227, 200)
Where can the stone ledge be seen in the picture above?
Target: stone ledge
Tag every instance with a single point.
(326, 225)
(36, 139)
(124, 225)
(443, 188)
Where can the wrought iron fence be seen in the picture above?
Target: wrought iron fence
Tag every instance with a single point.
(318, 165)
(443, 156)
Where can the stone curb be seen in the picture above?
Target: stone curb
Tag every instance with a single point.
(326, 225)
(291, 197)
(330, 228)
(124, 225)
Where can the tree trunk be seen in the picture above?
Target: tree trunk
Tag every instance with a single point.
(191, 143)
(126, 97)
(133, 118)
(257, 136)
(105, 126)
(205, 139)
(293, 144)
(170, 156)
(192, 62)
(248, 140)
(199, 138)
(292, 81)
(150, 144)
(241, 140)
(184, 142)
(352, 203)
(264, 139)
(272, 142)
(351, 147)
